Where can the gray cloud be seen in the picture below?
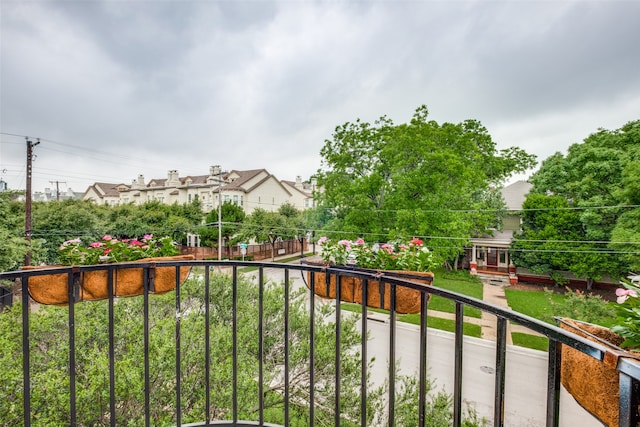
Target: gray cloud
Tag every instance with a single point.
(158, 85)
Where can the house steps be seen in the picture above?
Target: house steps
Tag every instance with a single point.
(495, 280)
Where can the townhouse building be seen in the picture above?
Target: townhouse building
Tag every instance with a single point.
(250, 189)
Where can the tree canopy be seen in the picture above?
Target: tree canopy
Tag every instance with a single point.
(231, 215)
(264, 226)
(56, 221)
(591, 201)
(382, 181)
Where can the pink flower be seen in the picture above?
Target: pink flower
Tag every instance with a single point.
(323, 239)
(95, 244)
(107, 238)
(68, 242)
(624, 294)
(147, 237)
(360, 242)
(345, 243)
(416, 241)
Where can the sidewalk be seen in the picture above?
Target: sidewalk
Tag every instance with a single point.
(493, 292)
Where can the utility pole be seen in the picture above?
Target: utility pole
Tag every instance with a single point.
(57, 183)
(220, 215)
(27, 210)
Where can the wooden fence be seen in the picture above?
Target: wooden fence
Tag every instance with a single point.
(255, 252)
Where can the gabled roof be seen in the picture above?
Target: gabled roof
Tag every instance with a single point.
(243, 177)
(515, 194)
(305, 187)
(157, 182)
(195, 179)
(105, 189)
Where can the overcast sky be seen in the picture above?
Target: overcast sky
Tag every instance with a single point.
(115, 89)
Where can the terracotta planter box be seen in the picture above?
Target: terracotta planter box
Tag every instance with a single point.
(52, 289)
(407, 300)
(594, 384)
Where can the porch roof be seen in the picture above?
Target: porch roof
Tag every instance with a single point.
(500, 239)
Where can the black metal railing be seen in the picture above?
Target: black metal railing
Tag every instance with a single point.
(207, 272)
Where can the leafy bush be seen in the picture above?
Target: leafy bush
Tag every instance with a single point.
(580, 306)
(49, 360)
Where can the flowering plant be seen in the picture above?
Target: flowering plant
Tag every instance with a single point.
(111, 249)
(628, 310)
(411, 256)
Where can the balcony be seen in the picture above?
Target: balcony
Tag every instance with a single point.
(262, 353)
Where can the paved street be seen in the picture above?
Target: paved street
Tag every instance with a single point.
(526, 369)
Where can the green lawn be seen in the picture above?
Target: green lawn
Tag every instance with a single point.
(530, 341)
(461, 282)
(536, 304)
(532, 303)
(443, 324)
(432, 321)
(540, 305)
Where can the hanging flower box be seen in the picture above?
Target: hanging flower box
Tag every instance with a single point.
(407, 260)
(593, 383)
(52, 289)
(378, 292)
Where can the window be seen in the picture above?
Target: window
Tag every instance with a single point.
(226, 198)
(235, 199)
(503, 256)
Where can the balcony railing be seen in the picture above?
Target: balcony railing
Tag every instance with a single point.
(305, 389)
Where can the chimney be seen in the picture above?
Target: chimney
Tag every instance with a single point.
(172, 177)
(138, 182)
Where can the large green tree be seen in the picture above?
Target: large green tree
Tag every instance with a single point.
(232, 217)
(598, 179)
(552, 242)
(57, 221)
(263, 226)
(381, 181)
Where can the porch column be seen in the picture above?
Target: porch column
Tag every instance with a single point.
(474, 263)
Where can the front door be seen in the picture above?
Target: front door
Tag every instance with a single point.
(492, 257)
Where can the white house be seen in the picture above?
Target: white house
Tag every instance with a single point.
(301, 192)
(250, 189)
(491, 252)
(105, 193)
